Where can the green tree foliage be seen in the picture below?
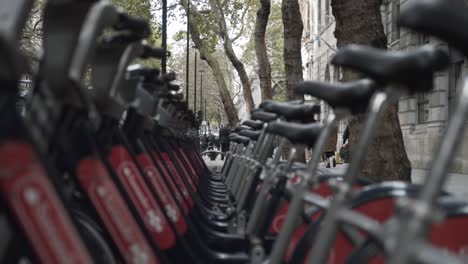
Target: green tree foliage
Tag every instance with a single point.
(275, 41)
(279, 90)
(143, 9)
(275, 44)
(221, 24)
(32, 34)
(214, 106)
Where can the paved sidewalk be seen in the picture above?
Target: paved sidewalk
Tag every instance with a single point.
(456, 184)
(214, 165)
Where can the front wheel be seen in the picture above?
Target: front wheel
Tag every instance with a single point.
(99, 248)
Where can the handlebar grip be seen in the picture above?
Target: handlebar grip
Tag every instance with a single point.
(176, 97)
(173, 87)
(263, 116)
(153, 52)
(138, 71)
(170, 77)
(120, 37)
(135, 24)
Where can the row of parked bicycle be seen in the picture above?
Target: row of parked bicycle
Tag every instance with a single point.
(114, 174)
(309, 215)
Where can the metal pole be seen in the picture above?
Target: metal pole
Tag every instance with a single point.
(204, 116)
(195, 83)
(187, 68)
(164, 36)
(201, 91)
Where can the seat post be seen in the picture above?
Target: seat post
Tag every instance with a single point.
(234, 166)
(279, 150)
(256, 151)
(377, 107)
(327, 233)
(296, 205)
(330, 122)
(252, 166)
(415, 218)
(228, 161)
(448, 148)
(262, 197)
(266, 148)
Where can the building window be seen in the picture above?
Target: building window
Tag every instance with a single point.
(422, 98)
(319, 15)
(394, 29)
(423, 107)
(338, 74)
(319, 62)
(327, 12)
(455, 73)
(341, 129)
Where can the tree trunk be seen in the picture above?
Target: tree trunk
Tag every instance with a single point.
(264, 68)
(229, 108)
(292, 23)
(229, 51)
(239, 66)
(360, 21)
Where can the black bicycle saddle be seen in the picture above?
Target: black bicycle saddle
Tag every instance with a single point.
(411, 68)
(263, 116)
(353, 96)
(240, 128)
(305, 134)
(256, 125)
(445, 19)
(291, 111)
(253, 135)
(241, 140)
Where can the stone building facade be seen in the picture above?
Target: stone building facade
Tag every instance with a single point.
(319, 46)
(238, 99)
(423, 116)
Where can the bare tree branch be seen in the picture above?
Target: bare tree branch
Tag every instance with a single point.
(242, 20)
(38, 22)
(236, 94)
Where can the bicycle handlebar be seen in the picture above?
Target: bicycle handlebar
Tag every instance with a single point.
(136, 25)
(152, 52)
